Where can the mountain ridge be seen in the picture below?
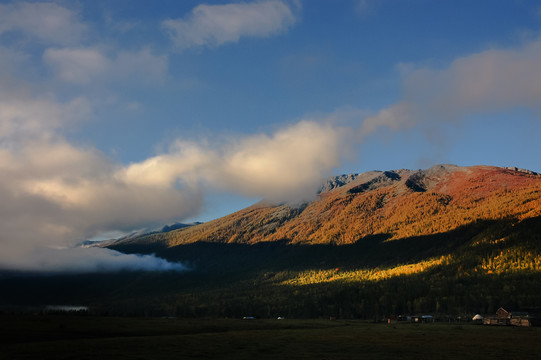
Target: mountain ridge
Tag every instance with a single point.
(395, 202)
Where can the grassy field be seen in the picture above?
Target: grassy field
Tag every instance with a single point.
(89, 337)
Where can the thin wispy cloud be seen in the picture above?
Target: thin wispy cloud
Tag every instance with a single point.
(23, 118)
(85, 260)
(214, 25)
(85, 65)
(45, 21)
(77, 65)
(365, 7)
(486, 82)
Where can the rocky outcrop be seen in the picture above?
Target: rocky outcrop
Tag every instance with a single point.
(525, 171)
(423, 180)
(385, 179)
(338, 181)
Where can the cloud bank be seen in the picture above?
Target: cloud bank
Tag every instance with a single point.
(55, 193)
(287, 165)
(214, 25)
(86, 260)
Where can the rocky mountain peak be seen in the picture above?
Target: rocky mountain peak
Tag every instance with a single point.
(338, 181)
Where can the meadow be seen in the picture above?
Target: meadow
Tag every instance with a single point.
(92, 337)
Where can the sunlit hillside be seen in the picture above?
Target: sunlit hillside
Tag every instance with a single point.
(398, 204)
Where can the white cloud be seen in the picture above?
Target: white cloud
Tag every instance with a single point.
(80, 189)
(78, 66)
(56, 194)
(85, 260)
(396, 117)
(485, 82)
(213, 25)
(86, 65)
(142, 65)
(45, 21)
(37, 117)
(290, 165)
(491, 80)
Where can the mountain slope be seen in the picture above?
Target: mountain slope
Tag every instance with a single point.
(397, 204)
(447, 240)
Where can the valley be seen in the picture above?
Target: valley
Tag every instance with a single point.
(63, 337)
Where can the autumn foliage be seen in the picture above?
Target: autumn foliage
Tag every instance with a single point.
(444, 240)
(454, 197)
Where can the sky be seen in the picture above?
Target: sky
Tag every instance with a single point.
(122, 115)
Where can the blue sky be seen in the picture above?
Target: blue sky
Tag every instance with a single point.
(117, 115)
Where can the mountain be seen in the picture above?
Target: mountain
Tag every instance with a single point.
(396, 204)
(447, 240)
(138, 234)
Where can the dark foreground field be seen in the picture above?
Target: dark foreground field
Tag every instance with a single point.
(87, 337)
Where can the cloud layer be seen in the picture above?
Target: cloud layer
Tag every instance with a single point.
(489, 81)
(85, 260)
(213, 25)
(55, 194)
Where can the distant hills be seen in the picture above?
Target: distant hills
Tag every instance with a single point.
(139, 234)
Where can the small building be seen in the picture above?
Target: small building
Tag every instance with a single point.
(512, 318)
(501, 313)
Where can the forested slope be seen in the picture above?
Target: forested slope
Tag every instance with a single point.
(445, 240)
(397, 204)
(448, 240)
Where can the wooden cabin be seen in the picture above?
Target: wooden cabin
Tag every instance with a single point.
(513, 318)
